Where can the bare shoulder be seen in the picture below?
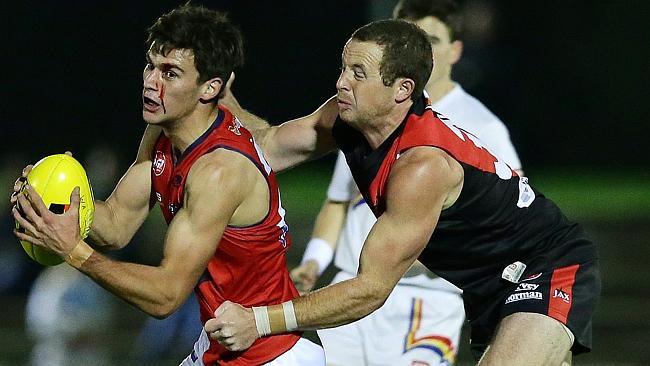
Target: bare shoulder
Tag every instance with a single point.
(428, 169)
(230, 174)
(428, 162)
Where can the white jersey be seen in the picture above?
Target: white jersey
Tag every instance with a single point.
(466, 112)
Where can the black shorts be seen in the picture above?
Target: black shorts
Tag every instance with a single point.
(568, 294)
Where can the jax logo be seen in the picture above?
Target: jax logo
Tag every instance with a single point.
(562, 295)
(158, 165)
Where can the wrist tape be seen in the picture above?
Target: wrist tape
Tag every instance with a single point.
(275, 319)
(79, 255)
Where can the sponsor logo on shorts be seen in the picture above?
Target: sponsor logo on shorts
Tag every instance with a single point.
(159, 196)
(513, 272)
(173, 208)
(527, 287)
(533, 295)
(158, 163)
(562, 295)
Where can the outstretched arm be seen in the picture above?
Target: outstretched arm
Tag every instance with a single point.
(292, 142)
(215, 188)
(423, 182)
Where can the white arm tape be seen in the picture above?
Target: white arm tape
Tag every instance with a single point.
(262, 320)
(320, 251)
(289, 316)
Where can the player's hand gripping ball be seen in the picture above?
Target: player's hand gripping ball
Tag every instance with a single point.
(54, 177)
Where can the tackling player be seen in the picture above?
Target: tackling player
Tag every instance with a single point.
(530, 276)
(424, 311)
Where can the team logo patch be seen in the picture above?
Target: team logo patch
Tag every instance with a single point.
(558, 293)
(526, 194)
(533, 295)
(283, 236)
(158, 165)
(234, 128)
(513, 272)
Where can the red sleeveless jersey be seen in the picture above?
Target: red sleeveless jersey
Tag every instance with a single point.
(249, 265)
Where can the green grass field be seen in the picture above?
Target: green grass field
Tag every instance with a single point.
(584, 194)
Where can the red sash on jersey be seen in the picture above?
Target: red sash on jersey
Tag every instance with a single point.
(429, 129)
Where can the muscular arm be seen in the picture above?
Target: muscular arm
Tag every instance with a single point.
(422, 183)
(292, 142)
(191, 239)
(118, 218)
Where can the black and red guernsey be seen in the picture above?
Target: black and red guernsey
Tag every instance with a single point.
(497, 220)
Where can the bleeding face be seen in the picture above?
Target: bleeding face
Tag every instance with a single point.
(361, 93)
(170, 86)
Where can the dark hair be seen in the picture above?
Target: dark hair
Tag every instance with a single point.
(407, 51)
(447, 11)
(216, 43)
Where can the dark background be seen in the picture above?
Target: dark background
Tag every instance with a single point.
(569, 79)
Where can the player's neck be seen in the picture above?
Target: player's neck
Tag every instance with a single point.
(380, 129)
(437, 89)
(183, 132)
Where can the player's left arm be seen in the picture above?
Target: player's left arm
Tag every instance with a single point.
(422, 182)
(215, 188)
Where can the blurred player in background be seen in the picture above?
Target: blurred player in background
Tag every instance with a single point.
(424, 313)
(227, 237)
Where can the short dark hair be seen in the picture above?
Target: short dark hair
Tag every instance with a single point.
(216, 43)
(447, 11)
(407, 51)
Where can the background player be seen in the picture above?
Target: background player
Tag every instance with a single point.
(530, 277)
(227, 237)
(419, 298)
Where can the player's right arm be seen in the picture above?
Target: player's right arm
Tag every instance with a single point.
(292, 142)
(118, 218)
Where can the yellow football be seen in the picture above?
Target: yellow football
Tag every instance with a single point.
(54, 178)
